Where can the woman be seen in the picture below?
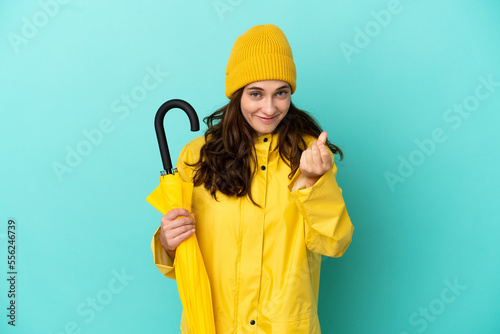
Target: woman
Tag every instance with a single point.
(266, 202)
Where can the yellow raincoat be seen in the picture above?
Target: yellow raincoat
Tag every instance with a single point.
(264, 263)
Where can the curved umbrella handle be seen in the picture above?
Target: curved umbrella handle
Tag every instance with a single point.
(160, 131)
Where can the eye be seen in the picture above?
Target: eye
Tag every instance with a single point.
(282, 93)
(254, 94)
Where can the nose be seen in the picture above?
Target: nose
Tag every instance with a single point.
(269, 108)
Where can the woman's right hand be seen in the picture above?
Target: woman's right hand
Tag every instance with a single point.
(176, 226)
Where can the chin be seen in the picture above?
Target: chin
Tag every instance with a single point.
(264, 132)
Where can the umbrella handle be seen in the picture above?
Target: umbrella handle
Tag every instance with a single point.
(160, 131)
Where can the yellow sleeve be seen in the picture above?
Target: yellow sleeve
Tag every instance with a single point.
(162, 260)
(328, 228)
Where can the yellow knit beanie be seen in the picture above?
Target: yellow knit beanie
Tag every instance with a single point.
(261, 53)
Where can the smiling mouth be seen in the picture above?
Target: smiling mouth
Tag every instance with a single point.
(266, 119)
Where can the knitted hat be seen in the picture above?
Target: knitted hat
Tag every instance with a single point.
(261, 53)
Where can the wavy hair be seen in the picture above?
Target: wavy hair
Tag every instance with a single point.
(225, 159)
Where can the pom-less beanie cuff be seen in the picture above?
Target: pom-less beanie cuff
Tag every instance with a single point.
(263, 67)
(261, 53)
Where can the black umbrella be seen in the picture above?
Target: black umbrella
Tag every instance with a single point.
(160, 131)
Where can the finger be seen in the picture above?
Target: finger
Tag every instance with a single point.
(325, 154)
(327, 163)
(172, 234)
(180, 230)
(174, 213)
(306, 159)
(174, 230)
(181, 237)
(181, 221)
(186, 235)
(322, 138)
(315, 155)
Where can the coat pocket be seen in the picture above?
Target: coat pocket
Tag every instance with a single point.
(305, 324)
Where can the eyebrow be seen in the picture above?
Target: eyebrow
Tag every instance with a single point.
(258, 88)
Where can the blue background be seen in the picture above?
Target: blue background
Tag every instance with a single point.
(380, 82)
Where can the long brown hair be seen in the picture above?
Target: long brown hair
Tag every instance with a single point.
(224, 163)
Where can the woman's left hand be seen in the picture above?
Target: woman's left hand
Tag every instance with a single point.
(315, 161)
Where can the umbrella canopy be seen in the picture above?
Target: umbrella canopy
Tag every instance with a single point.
(190, 272)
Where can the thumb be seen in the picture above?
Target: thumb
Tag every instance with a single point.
(322, 138)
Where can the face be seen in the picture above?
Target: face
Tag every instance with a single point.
(264, 104)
